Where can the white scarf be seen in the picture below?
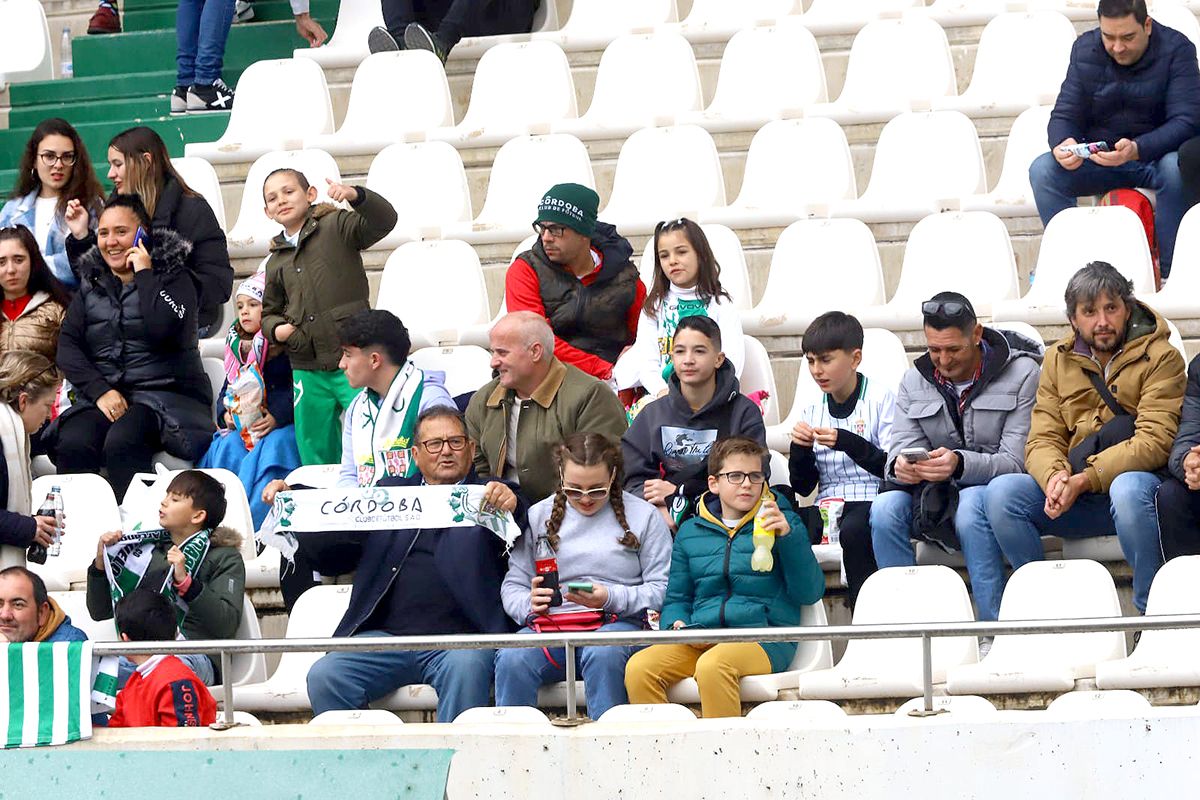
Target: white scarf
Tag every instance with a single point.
(15, 442)
(382, 433)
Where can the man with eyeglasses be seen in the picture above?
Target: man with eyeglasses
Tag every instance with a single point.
(579, 276)
(962, 416)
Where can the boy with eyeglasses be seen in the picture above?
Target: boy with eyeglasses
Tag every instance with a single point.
(713, 583)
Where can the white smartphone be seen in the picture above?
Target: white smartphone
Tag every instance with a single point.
(914, 454)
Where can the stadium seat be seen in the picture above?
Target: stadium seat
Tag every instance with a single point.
(826, 17)
(419, 270)
(1073, 238)
(1003, 85)
(643, 79)
(261, 123)
(664, 173)
(799, 286)
(896, 65)
(779, 469)
(1013, 196)
(719, 20)
(74, 605)
(25, 51)
(933, 262)
(1099, 704)
(89, 509)
(214, 370)
(1024, 329)
(727, 250)
(367, 716)
(395, 97)
(1175, 14)
(810, 655)
(524, 168)
(200, 176)
(595, 23)
(963, 706)
(744, 100)
(426, 184)
(799, 712)
(347, 47)
(467, 367)
(1162, 658)
(758, 375)
(252, 233)
(316, 615)
(962, 13)
(314, 476)
(648, 712)
(246, 668)
(893, 667)
(1053, 590)
(924, 163)
(1179, 298)
(247, 719)
(795, 168)
(502, 715)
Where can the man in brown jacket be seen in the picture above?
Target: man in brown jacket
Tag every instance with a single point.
(1092, 459)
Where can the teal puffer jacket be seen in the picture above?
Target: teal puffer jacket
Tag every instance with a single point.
(712, 586)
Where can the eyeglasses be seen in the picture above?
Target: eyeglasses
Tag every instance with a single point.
(590, 494)
(670, 224)
(946, 309)
(48, 158)
(434, 446)
(555, 231)
(737, 477)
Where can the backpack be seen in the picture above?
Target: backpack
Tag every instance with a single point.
(1139, 204)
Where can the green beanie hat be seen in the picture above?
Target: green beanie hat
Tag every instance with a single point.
(572, 205)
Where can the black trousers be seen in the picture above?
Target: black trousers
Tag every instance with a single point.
(1189, 170)
(87, 442)
(454, 19)
(1178, 519)
(857, 553)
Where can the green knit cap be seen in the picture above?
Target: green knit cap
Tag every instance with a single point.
(572, 205)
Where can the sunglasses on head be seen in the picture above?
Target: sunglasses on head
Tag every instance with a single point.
(946, 309)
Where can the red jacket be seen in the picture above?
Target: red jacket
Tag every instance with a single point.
(164, 693)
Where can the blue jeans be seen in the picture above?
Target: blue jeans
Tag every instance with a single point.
(520, 672)
(462, 678)
(1015, 507)
(1055, 188)
(891, 530)
(201, 28)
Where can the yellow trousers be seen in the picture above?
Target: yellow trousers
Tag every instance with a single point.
(717, 669)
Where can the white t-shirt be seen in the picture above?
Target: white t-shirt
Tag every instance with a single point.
(43, 219)
(839, 475)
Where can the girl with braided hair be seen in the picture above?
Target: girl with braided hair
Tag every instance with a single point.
(613, 551)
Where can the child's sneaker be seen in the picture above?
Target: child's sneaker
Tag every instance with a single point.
(380, 41)
(243, 11)
(217, 97)
(179, 103)
(418, 37)
(105, 20)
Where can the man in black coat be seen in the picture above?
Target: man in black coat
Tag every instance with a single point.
(1178, 498)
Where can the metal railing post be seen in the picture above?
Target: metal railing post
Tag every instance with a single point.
(572, 708)
(927, 709)
(226, 721)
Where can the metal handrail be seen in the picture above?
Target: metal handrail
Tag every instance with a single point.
(926, 631)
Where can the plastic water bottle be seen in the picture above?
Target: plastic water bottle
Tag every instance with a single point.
(50, 507)
(66, 69)
(55, 548)
(761, 559)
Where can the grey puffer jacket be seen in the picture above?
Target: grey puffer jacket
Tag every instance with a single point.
(991, 434)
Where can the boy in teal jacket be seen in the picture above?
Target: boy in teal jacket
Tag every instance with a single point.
(712, 585)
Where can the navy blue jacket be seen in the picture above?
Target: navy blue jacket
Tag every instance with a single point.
(15, 529)
(1155, 101)
(471, 560)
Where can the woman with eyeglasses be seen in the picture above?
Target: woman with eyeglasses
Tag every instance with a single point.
(35, 302)
(613, 553)
(55, 169)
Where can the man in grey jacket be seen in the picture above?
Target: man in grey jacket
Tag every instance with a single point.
(967, 404)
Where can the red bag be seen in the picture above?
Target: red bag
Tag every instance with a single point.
(1139, 204)
(568, 622)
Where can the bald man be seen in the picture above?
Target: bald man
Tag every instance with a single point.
(534, 403)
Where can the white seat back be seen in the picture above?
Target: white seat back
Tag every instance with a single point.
(501, 715)
(643, 78)
(314, 476)
(727, 250)
(798, 712)
(74, 605)
(934, 155)
(723, 15)
(199, 175)
(524, 168)
(963, 705)
(1043, 38)
(896, 63)
(316, 615)
(89, 509)
(1026, 141)
(247, 667)
(649, 712)
(848, 16)
(420, 270)
(426, 184)
(25, 51)
(758, 375)
(1099, 704)
(365, 716)
(348, 44)
(519, 85)
(143, 506)
(467, 367)
(214, 369)
(252, 233)
(593, 20)
(1177, 16)
(787, 48)
(1180, 297)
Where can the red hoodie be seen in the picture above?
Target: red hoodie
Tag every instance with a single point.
(164, 693)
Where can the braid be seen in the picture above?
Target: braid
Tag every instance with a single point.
(589, 449)
(617, 501)
(557, 512)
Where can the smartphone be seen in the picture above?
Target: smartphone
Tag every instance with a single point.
(140, 236)
(1086, 149)
(578, 586)
(913, 454)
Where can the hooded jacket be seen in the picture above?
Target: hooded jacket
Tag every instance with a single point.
(140, 339)
(36, 328)
(670, 441)
(58, 627)
(1189, 423)
(1146, 377)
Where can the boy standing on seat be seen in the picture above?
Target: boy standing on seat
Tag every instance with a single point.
(315, 280)
(839, 445)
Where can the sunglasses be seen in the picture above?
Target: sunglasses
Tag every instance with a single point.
(575, 493)
(946, 309)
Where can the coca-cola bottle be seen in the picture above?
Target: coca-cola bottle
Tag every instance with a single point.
(545, 563)
(51, 507)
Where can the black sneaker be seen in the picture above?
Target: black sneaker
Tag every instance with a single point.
(217, 97)
(380, 41)
(418, 37)
(179, 104)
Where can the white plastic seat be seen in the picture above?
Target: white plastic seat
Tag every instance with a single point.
(648, 712)
(848, 16)
(794, 168)
(252, 233)
(1073, 238)
(89, 509)
(246, 668)
(644, 79)
(244, 718)
(260, 122)
(1055, 590)
(214, 370)
(664, 173)
(347, 47)
(896, 65)
(467, 367)
(758, 375)
(779, 469)
(799, 263)
(25, 51)
(744, 100)
(502, 715)
(799, 712)
(316, 615)
(395, 97)
(199, 175)
(1003, 85)
(893, 667)
(727, 249)
(426, 184)
(314, 476)
(924, 163)
(965, 705)
(366, 716)
(1180, 297)
(933, 262)
(1162, 658)
(1178, 16)
(74, 605)
(524, 168)
(1013, 196)
(719, 20)
(1099, 704)
(594, 23)
(962, 13)
(420, 271)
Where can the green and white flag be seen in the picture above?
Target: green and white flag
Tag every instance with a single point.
(127, 559)
(45, 693)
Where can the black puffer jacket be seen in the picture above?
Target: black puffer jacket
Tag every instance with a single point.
(140, 339)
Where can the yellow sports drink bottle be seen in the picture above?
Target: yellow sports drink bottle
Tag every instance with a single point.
(762, 560)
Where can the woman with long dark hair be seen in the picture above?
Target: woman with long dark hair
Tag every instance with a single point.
(35, 302)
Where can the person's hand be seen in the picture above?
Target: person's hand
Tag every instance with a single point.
(905, 471)
(940, 466)
(772, 518)
(1191, 468)
(497, 495)
(138, 257)
(826, 437)
(112, 405)
(678, 625)
(1065, 158)
(263, 425)
(803, 434)
(310, 30)
(657, 491)
(284, 332)
(175, 559)
(76, 217)
(662, 393)
(106, 539)
(229, 423)
(1124, 151)
(340, 191)
(596, 598)
(273, 488)
(539, 598)
(1062, 491)
(44, 534)
(667, 518)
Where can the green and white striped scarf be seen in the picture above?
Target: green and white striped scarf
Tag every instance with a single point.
(45, 693)
(126, 562)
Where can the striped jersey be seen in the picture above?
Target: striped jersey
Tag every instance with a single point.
(871, 418)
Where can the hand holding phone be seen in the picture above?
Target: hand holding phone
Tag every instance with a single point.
(579, 586)
(1085, 149)
(914, 454)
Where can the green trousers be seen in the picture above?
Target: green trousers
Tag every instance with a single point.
(320, 397)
